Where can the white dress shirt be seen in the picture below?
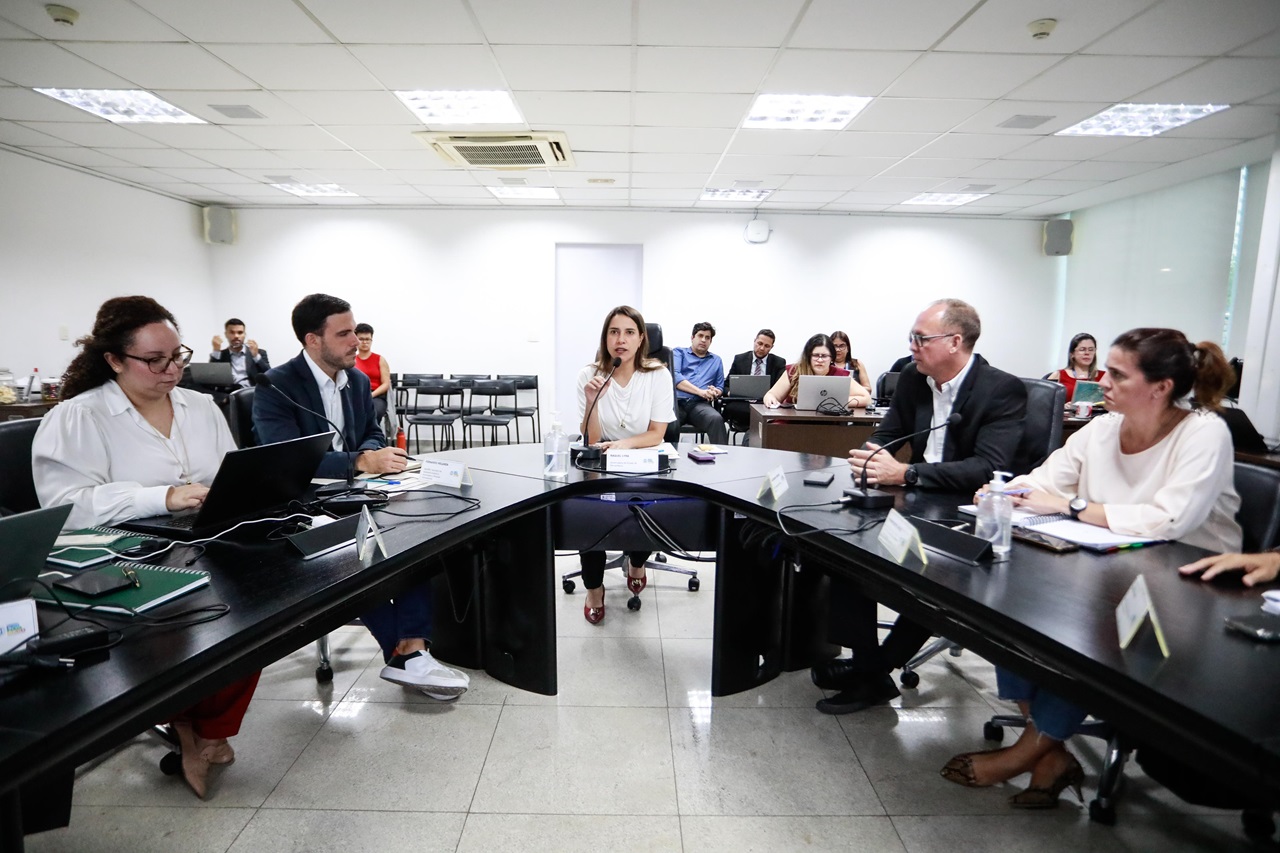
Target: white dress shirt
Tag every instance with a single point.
(331, 395)
(96, 452)
(944, 398)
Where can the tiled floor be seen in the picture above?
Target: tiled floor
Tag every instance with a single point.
(633, 754)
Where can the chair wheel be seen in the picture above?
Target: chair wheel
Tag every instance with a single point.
(660, 557)
(1098, 813)
(324, 674)
(568, 587)
(909, 679)
(1258, 824)
(992, 732)
(694, 584)
(171, 764)
(634, 603)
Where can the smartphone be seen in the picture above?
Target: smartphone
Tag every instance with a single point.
(1044, 540)
(819, 478)
(701, 457)
(1262, 627)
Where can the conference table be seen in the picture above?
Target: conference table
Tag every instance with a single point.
(1049, 616)
(809, 431)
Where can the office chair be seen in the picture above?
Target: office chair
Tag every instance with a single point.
(486, 414)
(886, 384)
(17, 487)
(653, 331)
(441, 414)
(524, 382)
(240, 415)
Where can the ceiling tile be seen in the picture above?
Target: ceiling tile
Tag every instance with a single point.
(873, 197)
(371, 177)
(1191, 28)
(836, 72)
(555, 21)
(565, 67)
(682, 69)
(979, 185)
(595, 194)
(1068, 147)
(808, 197)
(1236, 123)
(1166, 149)
(854, 208)
(782, 141)
(445, 66)
(377, 137)
(250, 190)
(328, 160)
(105, 20)
(207, 177)
(674, 162)
(453, 177)
(969, 210)
(847, 166)
(136, 174)
(904, 185)
(350, 107)
(607, 161)
(902, 25)
(422, 158)
(97, 133)
(823, 182)
(1000, 26)
(396, 21)
(80, 156)
(597, 137)
(13, 31)
(915, 114)
(661, 180)
(12, 133)
(199, 103)
(186, 136)
(746, 165)
(279, 21)
(1062, 115)
(1055, 186)
(1102, 170)
(550, 109)
(384, 192)
(969, 145)
(1267, 46)
(930, 167)
(1024, 169)
(579, 180)
(690, 110)
(686, 140)
(1219, 81)
(305, 137)
(1011, 199)
(688, 195)
(1271, 100)
(250, 158)
(162, 66)
(160, 158)
(1102, 78)
(859, 143)
(715, 22)
(48, 65)
(968, 75)
(302, 67)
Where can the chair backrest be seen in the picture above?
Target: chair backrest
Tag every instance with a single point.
(886, 385)
(1259, 515)
(467, 379)
(524, 381)
(1042, 428)
(17, 488)
(240, 417)
(411, 379)
(653, 331)
(487, 393)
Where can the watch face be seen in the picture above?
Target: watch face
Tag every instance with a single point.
(1078, 504)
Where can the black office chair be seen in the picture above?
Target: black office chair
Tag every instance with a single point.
(524, 382)
(240, 415)
(434, 415)
(17, 488)
(490, 393)
(886, 384)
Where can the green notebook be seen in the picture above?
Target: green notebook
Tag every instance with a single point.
(158, 585)
(92, 555)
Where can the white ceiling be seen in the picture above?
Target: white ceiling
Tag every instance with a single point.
(651, 94)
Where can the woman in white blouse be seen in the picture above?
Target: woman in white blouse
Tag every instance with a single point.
(127, 443)
(1151, 467)
(629, 409)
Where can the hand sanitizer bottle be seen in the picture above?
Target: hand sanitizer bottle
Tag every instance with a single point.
(555, 450)
(995, 517)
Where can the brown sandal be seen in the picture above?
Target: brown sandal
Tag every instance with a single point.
(960, 769)
(1047, 797)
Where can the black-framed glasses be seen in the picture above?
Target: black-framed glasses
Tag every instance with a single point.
(160, 363)
(917, 340)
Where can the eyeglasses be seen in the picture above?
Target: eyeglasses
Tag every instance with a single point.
(161, 363)
(920, 340)
(821, 356)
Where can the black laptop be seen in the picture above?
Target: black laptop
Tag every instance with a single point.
(25, 542)
(745, 386)
(251, 483)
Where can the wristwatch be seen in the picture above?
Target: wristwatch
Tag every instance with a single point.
(1077, 506)
(911, 475)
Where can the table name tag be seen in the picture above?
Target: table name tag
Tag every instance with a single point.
(900, 537)
(442, 472)
(631, 461)
(368, 538)
(1133, 609)
(774, 483)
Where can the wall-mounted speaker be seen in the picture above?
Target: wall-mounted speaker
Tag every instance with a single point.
(219, 225)
(1057, 237)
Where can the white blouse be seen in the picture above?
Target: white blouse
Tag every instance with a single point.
(626, 410)
(1182, 488)
(96, 452)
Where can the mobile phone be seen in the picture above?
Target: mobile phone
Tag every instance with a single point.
(1262, 627)
(700, 456)
(1044, 540)
(819, 478)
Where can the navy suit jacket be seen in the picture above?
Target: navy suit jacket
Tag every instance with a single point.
(276, 419)
(993, 404)
(251, 368)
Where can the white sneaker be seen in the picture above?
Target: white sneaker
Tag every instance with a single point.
(421, 670)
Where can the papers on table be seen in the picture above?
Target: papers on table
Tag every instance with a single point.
(1064, 527)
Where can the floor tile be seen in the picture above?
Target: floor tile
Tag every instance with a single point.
(561, 833)
(110, 829)
(336, 831)
(769, 834)
(603, 671)
(688, 673)
(579, 761)
(351, 651)
(1042, 832)
(686, 615)
(1169, 832)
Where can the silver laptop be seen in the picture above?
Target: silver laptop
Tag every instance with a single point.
(746, 386)
(25, 541)
(815, 389)
(1087, 392)
(212, 373)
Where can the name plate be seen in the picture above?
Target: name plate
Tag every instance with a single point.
(643, 461)
(900, 537)
(1134, 608)
(368, 538)
(442, 472)
(774, 484)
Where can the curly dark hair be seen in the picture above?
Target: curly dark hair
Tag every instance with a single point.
(117, 322)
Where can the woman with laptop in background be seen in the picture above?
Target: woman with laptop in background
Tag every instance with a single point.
(1082, 365)
(843, 358)
(126, 442)
(816, 360)
(1151, 467)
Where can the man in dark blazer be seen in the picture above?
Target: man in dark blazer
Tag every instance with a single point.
(244, 355)
(757, 361)
(945, 378)
(323, 379)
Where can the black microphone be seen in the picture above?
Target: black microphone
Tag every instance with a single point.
(589, 453)
(864, 498)
(331, 489)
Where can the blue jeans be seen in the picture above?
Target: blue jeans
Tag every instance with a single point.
(1054, 716)
(407, 616)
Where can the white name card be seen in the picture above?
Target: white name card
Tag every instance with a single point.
(368, 538)
(774, 483)
(900, 537)
(631, 461)
(1133, 609)
(442, 472)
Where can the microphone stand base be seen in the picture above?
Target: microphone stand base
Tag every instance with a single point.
(869, 499)
(348, 504)
(329, 490)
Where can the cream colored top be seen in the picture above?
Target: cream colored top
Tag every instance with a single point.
(626, 410)
(1182, 488)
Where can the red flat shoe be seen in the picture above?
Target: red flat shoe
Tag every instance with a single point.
(637, 585)
(594, 615)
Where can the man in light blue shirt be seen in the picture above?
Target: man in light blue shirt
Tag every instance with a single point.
(699, 378)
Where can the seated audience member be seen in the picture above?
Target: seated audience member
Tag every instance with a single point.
(1082, 364)
(845, 359)
(629, 409)
(815, 360)
(375, 367)
(1245, 437)
(946, 377)
(1257, 568)
(759, 360)
(1151, 467)
(323, 379)
(900, 364)
(699, 378)
(246, 357)
(126, 443)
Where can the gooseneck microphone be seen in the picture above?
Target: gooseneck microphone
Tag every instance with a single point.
(864, 498)
(589, 453)
(330, 490)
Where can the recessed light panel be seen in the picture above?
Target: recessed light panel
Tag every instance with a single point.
(447, 107)
(734, 195)
(1141, 119)
(946, 199)
(804, 112)
(314, 190)
(123, 106)
(547, 193)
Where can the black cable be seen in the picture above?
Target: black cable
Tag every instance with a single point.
(831, 406)
(472, 503)
(577, 463)
(840, 530)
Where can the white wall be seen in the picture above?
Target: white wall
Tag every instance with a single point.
(69, 241)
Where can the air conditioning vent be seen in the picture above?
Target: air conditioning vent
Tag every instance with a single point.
(501, 149)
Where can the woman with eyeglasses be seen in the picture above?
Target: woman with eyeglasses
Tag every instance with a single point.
(126, 442)
(1082, 364)
(843, 358)
(816, 360)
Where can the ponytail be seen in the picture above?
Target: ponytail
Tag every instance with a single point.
(1213, 375)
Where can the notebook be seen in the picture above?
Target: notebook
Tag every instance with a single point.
(814, 389)
(158, 584)
(1088, 536)
(745, 386)
(1087, 392)
(25, 541)
(250, 483)
(89, 546)
(213, 373)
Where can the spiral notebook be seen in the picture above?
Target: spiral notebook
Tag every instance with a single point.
(79, 549)
(157, 585)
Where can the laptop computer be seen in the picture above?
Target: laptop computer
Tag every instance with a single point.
(250, 483)
(211, 373)
(746, 386)
(25, 542)
(1087, 392)
(814, 389)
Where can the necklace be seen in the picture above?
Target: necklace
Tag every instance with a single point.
(184, 462)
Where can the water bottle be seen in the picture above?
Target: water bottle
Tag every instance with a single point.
(995, 517)
(555, 451)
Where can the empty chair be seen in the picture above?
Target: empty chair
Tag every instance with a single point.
(17, 488)
(408, 393)
(465, 381)
(524, 382)
(886, 384)
(442, 415)
(487, 395)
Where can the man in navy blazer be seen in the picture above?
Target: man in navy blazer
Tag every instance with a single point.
(323, 378)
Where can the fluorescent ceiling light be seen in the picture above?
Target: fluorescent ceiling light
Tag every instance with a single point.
(312, 190)
(123, 105)
(1141, 119)
(462, 107)
(525, 192)
(804, 112)
(734, 195)
(947, 199)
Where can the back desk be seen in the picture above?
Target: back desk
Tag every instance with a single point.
(1050, 616)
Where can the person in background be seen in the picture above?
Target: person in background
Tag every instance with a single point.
(1082, 364)
(125, 442)
(844, 359)
(815, 360)
(699, 377)
(246, 357)
(759, 360)
(1257, 568)
(629, 409)
(375, 367)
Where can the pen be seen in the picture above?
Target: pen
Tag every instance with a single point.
(1125, 547)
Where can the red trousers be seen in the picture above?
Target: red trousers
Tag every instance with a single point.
(218, 715)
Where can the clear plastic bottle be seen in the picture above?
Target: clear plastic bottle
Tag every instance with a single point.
(555, 450)
(33, 386)
(995, 517)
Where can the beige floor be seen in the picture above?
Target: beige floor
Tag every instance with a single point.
(633, 754)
